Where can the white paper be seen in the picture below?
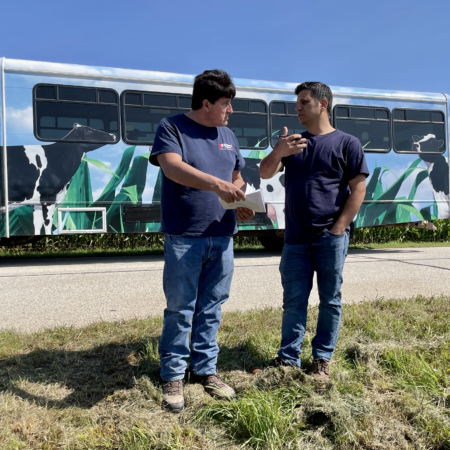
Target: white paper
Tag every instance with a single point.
(254, 201)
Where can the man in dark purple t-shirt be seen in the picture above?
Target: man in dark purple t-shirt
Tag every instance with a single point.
(200, 162)
(325, 187)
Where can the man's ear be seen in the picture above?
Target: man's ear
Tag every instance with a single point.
(324, 105)
(206, 103)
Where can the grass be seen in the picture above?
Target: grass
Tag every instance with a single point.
(98, 387)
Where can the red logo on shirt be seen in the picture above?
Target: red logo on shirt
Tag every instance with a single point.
(225, 147)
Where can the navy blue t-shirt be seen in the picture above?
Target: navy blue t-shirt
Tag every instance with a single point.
(317, 183)
(188, 211)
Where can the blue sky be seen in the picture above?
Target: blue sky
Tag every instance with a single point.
(394, 44)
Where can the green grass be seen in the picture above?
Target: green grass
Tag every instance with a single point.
(98, 387)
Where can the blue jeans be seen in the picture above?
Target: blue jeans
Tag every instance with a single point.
(197, 279)
(325, 256)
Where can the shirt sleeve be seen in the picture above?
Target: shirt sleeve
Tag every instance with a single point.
(356, 160)
(240, 161)
(166, 141)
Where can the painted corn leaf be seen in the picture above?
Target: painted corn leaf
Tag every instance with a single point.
(131, 192)
(427, 214)
(109, 192)
(157, 189)
(374, 210)
(411, 209)
(402, 215)
(421, 176)
(386, 169)
(100, 165)
(78, 195)
(20, 222)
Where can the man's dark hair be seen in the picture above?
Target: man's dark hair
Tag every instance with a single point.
(212, 85)
(318, 92)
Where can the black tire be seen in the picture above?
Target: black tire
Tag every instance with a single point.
(272, 243)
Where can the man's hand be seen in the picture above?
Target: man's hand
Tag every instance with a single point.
(243, 214)
(290, 145)
(228, 192)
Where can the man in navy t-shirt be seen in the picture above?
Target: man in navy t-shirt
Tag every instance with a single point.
(325, 187)
(200, 162)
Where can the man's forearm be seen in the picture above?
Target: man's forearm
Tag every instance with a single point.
(187, 175)
(270, 165)
(350, 210)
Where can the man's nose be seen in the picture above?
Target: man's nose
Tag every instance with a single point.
(230, 109)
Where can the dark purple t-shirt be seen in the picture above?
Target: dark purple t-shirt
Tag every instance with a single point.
(317, 183)
(188, 211)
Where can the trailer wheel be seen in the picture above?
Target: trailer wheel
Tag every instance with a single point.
(272, 243)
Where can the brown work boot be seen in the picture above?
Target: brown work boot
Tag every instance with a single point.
(173, 397)
(321, 371)
(216, 388)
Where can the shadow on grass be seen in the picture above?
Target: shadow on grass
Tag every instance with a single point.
(92, 375)
(62, 379)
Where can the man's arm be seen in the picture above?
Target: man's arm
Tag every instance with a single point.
(352, 205)
(175, 169)
(242, 213)
(286, 146)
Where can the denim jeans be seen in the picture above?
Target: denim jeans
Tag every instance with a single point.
(325, 256)
(197, 279)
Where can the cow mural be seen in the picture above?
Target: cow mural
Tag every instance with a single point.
(273, 190)
(428, 147)
(39, 175)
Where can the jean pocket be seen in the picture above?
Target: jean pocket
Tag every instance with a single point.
(335, 235)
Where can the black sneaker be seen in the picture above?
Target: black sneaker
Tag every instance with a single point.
(173, 396)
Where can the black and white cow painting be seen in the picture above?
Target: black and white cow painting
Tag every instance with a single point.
(273, 189)
(438, 171)
(40, 175)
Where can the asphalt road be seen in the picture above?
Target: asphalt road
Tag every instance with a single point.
(37, 294)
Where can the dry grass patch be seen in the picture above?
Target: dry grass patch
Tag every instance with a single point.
(99, 388)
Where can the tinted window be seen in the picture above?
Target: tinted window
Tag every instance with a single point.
(240, 105)
(184, 102)
(59, 114)
(342, 112)
(141, 120)
(142, 123)
(48, 92)
(259, 107)
(362, 113)
(55, 120)
(107, 97)
(278, 108)
(291, 109)
(370, 125)
(77, 94)
(250, 129)
(411, 127)
(133, 99)
(169, 101)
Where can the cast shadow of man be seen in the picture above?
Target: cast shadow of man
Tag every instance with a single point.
(86, 376)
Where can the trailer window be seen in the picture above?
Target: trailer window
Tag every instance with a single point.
(370, 125)
(283, 114)
(59, 109)
(143, 111)
(418, 131)
(249, 123)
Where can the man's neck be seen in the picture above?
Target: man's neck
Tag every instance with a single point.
(199, 117)
(320, 128)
